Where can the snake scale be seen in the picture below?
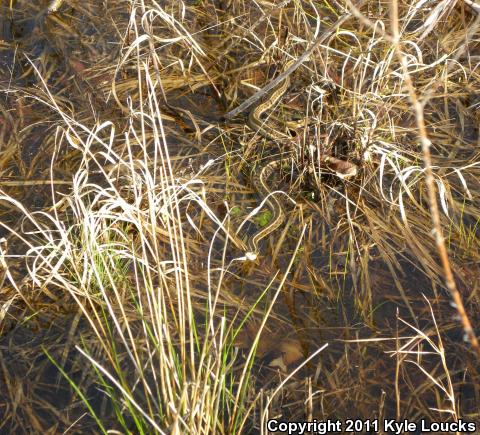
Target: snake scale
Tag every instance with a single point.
(259, 178)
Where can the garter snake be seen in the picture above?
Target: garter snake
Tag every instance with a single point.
(259, 178)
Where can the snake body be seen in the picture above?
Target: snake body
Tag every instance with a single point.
(341, 168)
(260, 178)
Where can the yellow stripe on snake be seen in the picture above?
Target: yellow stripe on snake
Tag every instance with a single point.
(259, 178)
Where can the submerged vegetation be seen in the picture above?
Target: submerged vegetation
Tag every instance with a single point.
(216, 213)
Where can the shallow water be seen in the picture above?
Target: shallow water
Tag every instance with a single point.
(330, 296)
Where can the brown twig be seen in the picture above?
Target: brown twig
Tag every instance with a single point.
(430, 182)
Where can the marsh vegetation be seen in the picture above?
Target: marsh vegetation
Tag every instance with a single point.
(131, 300)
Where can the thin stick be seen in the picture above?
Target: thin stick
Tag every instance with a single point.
(430, 182)
(21, 183)
(473, 5)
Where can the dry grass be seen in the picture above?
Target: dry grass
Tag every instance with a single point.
(123, 258)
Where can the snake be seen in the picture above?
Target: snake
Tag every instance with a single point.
(259, 179)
